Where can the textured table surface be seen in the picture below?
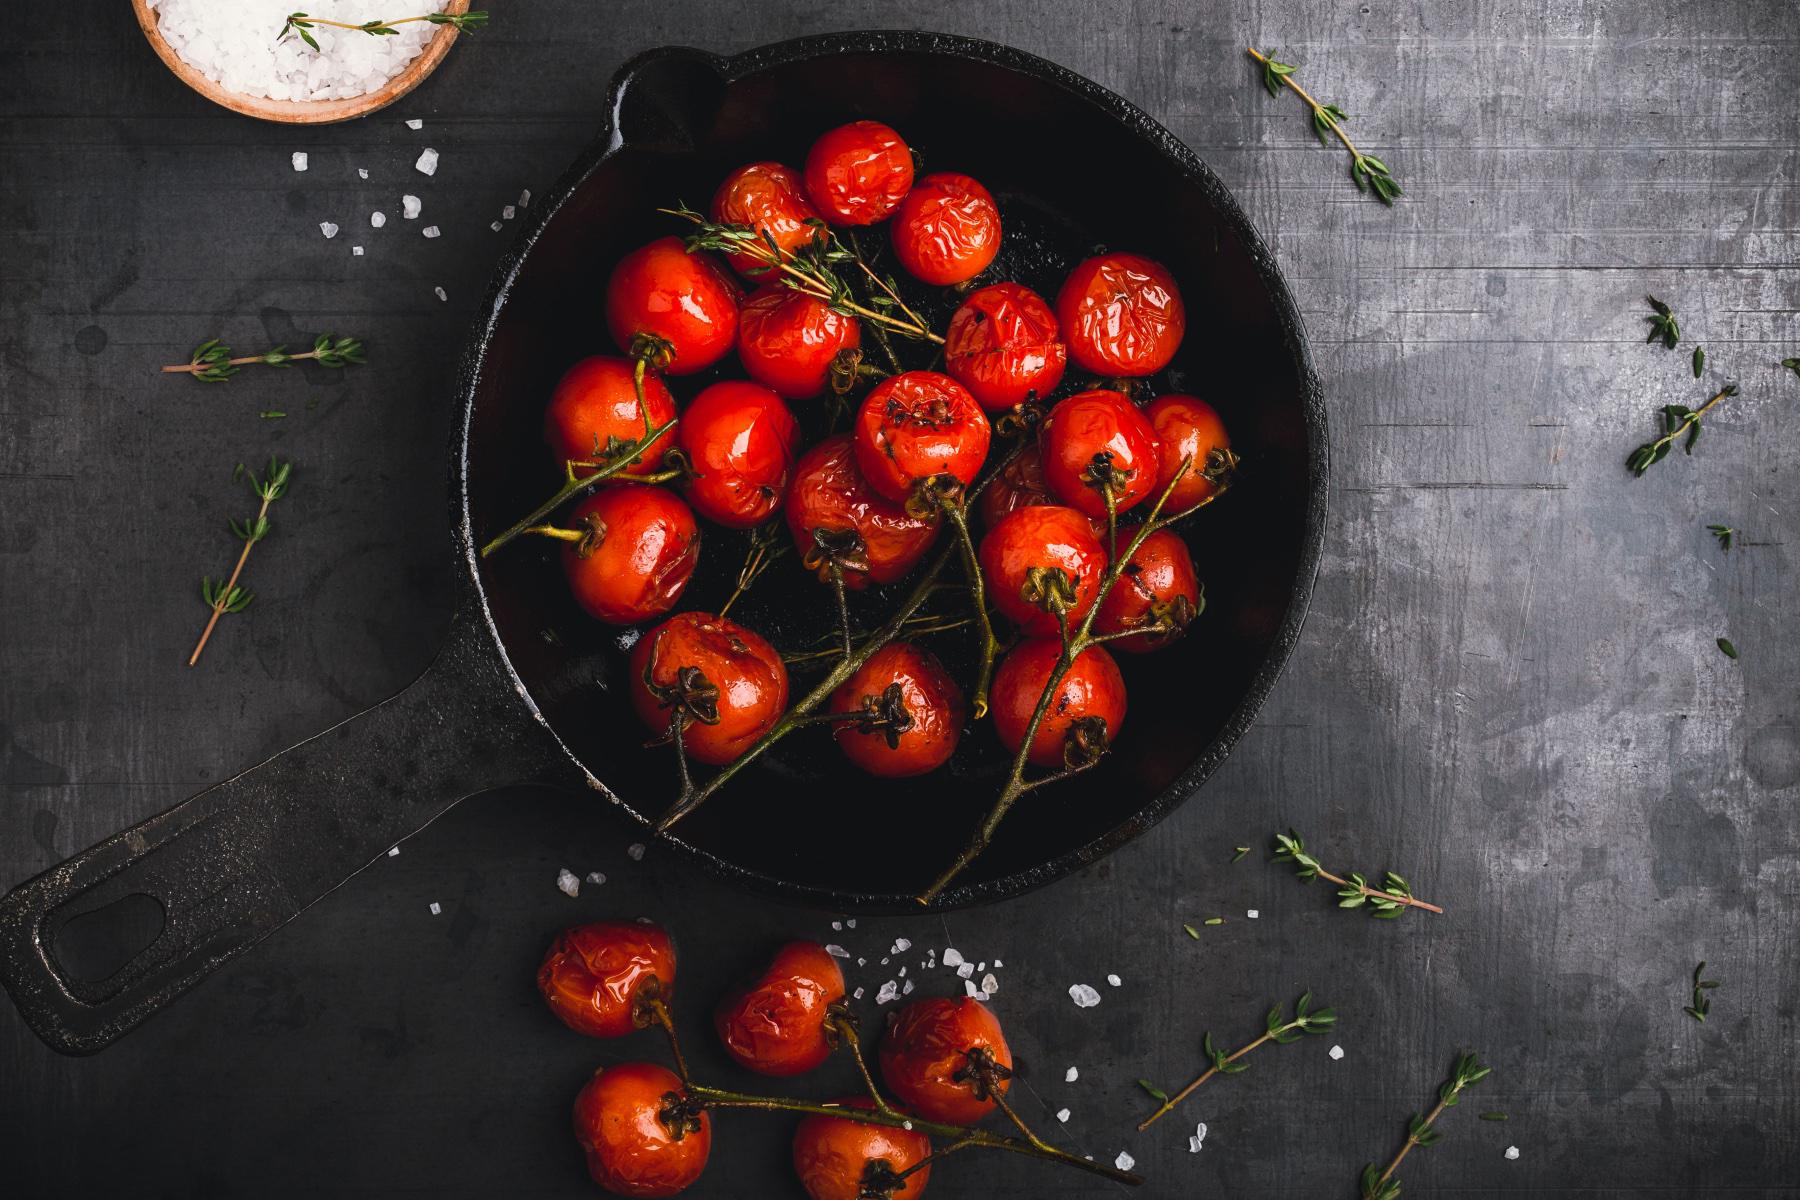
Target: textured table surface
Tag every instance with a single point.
(1508, 687)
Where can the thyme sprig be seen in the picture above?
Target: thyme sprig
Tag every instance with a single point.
(211, 361)
(1663, 325)
(1701, 1003)
(228, 597)
(299, 22)
(1366, 171)
(1792, 364)
(1386, 902)
(1465, 1074)
(1723, 533)
(1678, 420)
(1277, 1028)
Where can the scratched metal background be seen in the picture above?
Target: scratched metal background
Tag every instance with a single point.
(1508, 688)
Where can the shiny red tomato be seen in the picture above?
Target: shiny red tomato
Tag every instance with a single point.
(594, 410)
(839, 1159)
(1099, 439)
(775, 1024)
(786, 340)
(592, 976)
(1041, 536)
(1188, 428)
(686, 299)
(874, 539)
(858, 173)
(643, 1135)
(1003, 345)
(1092, 688)
(1121, 315)
(947, 230)
(740, 441)
(771, 199)
(917, 425)
(639, 550)
(926, 1059)
(930, 713)
(1157, 585)
(742, 683)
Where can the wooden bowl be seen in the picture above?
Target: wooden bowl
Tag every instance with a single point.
(304, 112)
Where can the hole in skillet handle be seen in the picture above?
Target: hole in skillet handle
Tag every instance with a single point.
(666, 99)
(95, 945)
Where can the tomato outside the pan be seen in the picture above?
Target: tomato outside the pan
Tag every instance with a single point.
(776, 1024)
(642, 1134)
(593, 976)
(833, 1156)
(926, 1058)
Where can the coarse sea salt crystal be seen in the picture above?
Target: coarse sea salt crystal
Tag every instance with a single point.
(1512, 1154)
(525, 198)
(1336, 1052)
(849, 922)
(1071, 1075)
(1124, 1162)
(393, 852)
(907, 990)
(837, 925)
(428, 160)
(952, 956)
(1114, 980)
(568, 883)
(442, 294)
(415, 123)
(377, 219)
(857, 994)
(430, 231)
(989, 985)
(595, 877)
(635, 852)
(299, 160)
(888, 992)
(1083, 995)
(965, 971)
(1252, 913)
(1198, 1138)
(836, 951)
(901, 946)
(862, 962)
(362, 172)
(328, 228)
(357, 251)
(1062, 1114)
(496, 226)
(410, 206)
(436, 908)
(507, 213)
(974, 993)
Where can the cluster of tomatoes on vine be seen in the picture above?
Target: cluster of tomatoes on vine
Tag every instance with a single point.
(865, 506)
(646, 1130)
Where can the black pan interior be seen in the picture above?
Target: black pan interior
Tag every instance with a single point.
(1073, 168)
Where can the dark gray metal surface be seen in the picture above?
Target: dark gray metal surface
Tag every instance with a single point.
(1507, 689)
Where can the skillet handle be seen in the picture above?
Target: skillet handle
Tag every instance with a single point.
(234, 863)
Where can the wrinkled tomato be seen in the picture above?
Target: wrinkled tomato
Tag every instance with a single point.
(1157, 591)
(840, 1159)
(593, 975)
(1121, 315)
(858, 173)
(685, 299)
(1003, 345)
(947, 230)
(913, 713)
(1089, 702)
(731, 684)
(771, 199)
(926, 1058)
(917, 425)
(787, 340)
(639, 547)
(833, 513)
(776, 1023)
(740, 441)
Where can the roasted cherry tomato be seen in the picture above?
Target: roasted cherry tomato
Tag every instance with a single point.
(929, 1055)
(687, 300)
(1188, 428)
(594, 411)
(858, 173)
(771, 199)
(835, 515)
(740, 441)
(1090, 701)
(1003, 345)
(913, 713)
(1098, 440)
(1027, 544)
(838, 1159)
(947, 230)
(1121, 314)
(775, 1025)
(786, 340)
(708, 667)
(1157, 589)
(593, 975)
(643, 1135)
(637, 550)
(917, 425)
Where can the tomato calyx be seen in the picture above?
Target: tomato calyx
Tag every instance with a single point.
(680, 1114)
(847, 369)
(652, 352)
(836, 551)
(1220, 467)
(934, 494)
(1106, 477)
(1049, 588)
(1085, 743)
(879, 1180)
(884, 713)
(691, 697)
(980, 1070)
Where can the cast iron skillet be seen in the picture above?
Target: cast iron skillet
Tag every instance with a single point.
(527, 689)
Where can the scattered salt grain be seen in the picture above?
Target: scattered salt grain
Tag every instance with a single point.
(989, 985)
(966, 971)
(430, 231)
(507, 213)
(1336, 1052)
(595, 877)
(901, 946)
(410, 206)
(1071, 1075)
(884, 960)
(903, 972)
(836, 951)
(857, 994)
(1083, 995)
(850, 923)
(629, 638)
(436, 908)
(906, 1125)
(998, 964)
(1252, 913)
(229, 42)
(1114, 980)
(981, 966)
(442, 294)
(1512, 1153)
(1062, 1114)
(862, 962)
(837, 925)
(1199, 1137)
(888, 991)
(393, 852)
(328, 228)
(568, 883)
(635, 852)
(356, 250)
(362, 172)
(299, 160)
(496, 226)
(525, 198)
(952, 956)
(931, 957)
(427, 164)
(907, 990)
(974, 993)
(377, 219)
(1124, 1162)
(415, 123)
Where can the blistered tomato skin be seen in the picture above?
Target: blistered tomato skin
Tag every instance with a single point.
(740, 441)
(1187, 428)
(771, 199)
(640, 549)
(1093, 424)
(1004, 346)
(1121, 315)
(933, 706)
(623, 1121)
(1157, 585)
(592, 975)
(832, 1154)
(748, 673)
(829, 494)
(947, 230)
(916, 425)
(688, 300)
(776, 1024)
(1092, 687)
(927, 1047)
(786, 340)
(858, 173)
(595, 406)
(1050, 536)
